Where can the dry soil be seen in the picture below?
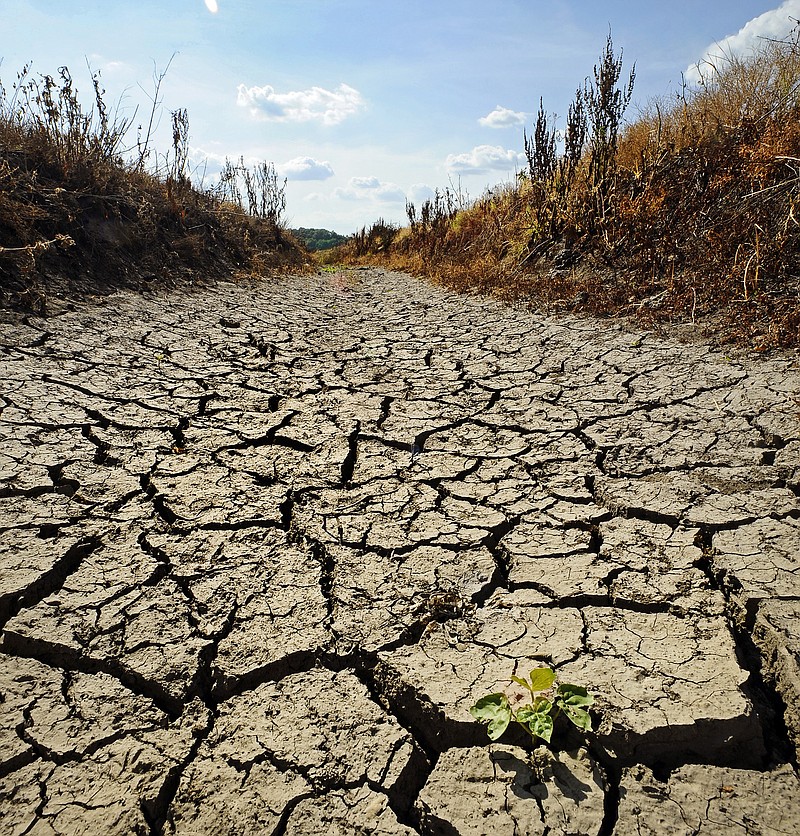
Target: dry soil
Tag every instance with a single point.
(262, 546)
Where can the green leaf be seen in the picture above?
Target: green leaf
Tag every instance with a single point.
(574, 695)
(572, 699)
(524, 715)
(537, 718)
(526, 712)
(542, 679)
(494, 710)
(542, 727)
(579, 717)
(523, 682)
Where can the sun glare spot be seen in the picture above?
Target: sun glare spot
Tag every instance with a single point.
(212, 6)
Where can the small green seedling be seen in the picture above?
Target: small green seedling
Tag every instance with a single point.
(548, 700)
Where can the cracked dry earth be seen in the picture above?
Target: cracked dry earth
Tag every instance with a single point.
(263, 546)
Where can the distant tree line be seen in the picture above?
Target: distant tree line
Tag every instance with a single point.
(319, 239)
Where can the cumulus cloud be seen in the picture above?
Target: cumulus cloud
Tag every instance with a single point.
(390, 193)
(420, 192)
(370, 188)
(502, 117)
(776, 23)
(365, 182)
(484, 158)
(106, 66)
(316, 104)
(306, 168)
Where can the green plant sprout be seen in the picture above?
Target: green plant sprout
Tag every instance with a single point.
(548, 701)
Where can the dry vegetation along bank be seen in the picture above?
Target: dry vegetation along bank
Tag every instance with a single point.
(689, 212)
(83, 208)
(686, 213)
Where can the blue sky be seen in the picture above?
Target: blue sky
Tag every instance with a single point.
(364, 103)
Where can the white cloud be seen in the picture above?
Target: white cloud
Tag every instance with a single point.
(306, 168)
(115, 67)
(485, 158)
(370, 188)
(108, 66)
(420, 192)
(502, 117)
(776, 23)
(210, 163)
(317, 104)
(390, 193)
(200, 155)
(365, 182)
(212, 6)
(346, 194)
(204, 166)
